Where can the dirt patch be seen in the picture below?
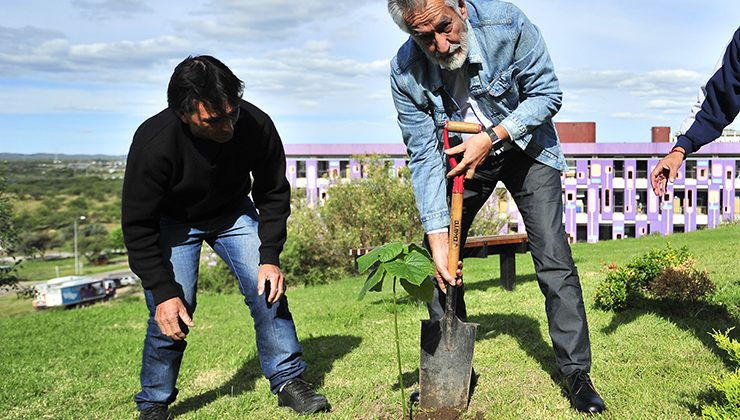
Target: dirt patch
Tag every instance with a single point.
(444, 413)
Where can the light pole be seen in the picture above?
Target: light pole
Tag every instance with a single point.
(77, 260)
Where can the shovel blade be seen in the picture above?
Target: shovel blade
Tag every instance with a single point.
(446, 363)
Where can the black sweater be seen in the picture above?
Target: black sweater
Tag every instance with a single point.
(171, 173)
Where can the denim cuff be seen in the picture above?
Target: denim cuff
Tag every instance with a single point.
(437, 220)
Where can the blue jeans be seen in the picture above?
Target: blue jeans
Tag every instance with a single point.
(235, 240)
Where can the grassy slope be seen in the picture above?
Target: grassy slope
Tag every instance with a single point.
(649, 362)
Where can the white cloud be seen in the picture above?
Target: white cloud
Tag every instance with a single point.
(107, 9)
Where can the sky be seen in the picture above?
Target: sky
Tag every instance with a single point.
(79, 76)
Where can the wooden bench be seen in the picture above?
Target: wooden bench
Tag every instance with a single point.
(506, 246)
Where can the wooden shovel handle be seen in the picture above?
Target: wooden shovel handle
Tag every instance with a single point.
(453, 254)
(463, 127)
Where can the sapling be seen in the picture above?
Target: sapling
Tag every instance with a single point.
(410, 265)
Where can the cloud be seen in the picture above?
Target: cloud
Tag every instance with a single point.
(107, 9)
(32, 52)
(239, 20)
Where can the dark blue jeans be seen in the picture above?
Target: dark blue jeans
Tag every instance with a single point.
(235, 240)
(537, 192)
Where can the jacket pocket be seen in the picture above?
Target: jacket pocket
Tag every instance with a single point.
(504, 91)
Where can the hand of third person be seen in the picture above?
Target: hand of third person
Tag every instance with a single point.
(272, 274)
(439, 245)
(666, 171)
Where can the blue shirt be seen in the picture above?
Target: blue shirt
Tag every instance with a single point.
(718, 104)
(512, 79)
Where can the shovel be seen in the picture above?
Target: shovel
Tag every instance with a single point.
(447, 344)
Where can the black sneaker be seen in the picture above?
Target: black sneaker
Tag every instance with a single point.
(155, 412)
(298, 395)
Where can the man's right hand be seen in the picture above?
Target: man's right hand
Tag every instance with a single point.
(168, 314)
(439, 245)
(666, 171)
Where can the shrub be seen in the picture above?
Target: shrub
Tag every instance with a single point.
(660, 273)
(217, 278)
(611, 294)
(683, 282)
(374, 210)
(726, 388)
(649, 266)
(312, 255)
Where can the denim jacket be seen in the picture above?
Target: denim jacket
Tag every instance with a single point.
(511, 77)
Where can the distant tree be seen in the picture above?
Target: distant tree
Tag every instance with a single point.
(92, 241)
(36, 244)
(115, 240)
(8, 278)
(7, 229)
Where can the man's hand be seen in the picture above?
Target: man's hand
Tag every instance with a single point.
(439, 244)
(665, 171)
(476, 150)
(271, 273)
(167, 316)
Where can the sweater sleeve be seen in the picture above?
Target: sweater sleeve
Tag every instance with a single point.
(271, 194)
(143, 191)
(718, 102)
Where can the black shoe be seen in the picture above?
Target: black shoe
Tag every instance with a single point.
(298, 395)
(155, 412)
(582, 394)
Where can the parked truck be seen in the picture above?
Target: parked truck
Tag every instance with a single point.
(71, 291)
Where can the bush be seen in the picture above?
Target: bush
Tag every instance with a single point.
(726, 404)
(666, 273)
(649, 266)
(217, 278)
(683, 282)
(612, 292)
(374, 210)
(312, 255)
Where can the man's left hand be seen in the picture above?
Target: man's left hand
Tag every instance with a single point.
(272, 274)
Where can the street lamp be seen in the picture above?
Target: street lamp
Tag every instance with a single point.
(77, 260)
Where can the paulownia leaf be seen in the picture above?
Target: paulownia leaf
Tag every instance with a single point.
(424, 291)
(383, 253)
(374, 281)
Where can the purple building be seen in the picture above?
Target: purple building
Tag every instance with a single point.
(606, 193)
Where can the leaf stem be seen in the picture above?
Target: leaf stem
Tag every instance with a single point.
(398, 351)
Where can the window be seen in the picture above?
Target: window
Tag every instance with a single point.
(702, 198)
(322, 168)
(343, 168)
(618, 168)
(641, 198)
(642, 171)
(690, 169)
(301, 169)
(618, 201)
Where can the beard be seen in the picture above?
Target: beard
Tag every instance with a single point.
(455, 57)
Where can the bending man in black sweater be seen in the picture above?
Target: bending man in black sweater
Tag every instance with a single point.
(188, 181)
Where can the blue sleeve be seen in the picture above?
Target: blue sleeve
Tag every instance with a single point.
(718, 104)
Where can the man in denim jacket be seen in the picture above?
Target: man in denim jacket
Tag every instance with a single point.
(485, 62)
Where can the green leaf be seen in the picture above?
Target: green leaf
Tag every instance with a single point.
(423, 291)
(374, 282)
(382, 253)
(414, 267)
(414, 247)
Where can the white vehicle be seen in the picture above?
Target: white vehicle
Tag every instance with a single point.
(128, 281)
(72, 290)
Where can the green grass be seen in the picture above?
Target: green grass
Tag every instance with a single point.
(41, 270)
(652, 361)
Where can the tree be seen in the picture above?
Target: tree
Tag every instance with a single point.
(7, 235)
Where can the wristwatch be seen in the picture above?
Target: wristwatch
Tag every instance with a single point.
(492, 134)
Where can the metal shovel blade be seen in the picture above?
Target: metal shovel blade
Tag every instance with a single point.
(446, 361)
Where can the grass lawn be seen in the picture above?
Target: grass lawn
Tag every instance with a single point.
(653, 361)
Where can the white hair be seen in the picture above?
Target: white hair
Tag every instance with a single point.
(398, 8)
